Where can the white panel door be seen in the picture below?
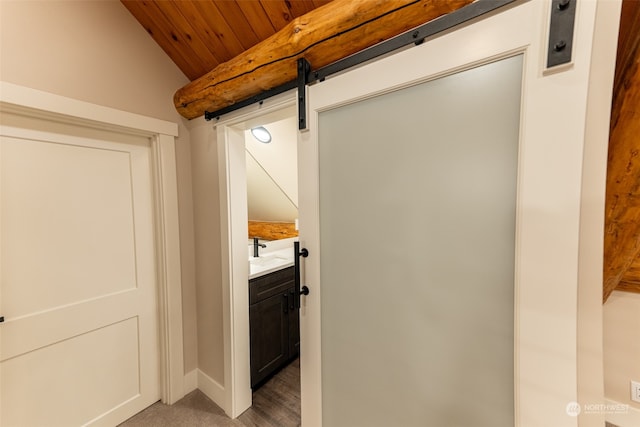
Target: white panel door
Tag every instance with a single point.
(79, 343)
(441, 210)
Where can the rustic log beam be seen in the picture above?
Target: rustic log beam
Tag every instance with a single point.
(272, 230)
(622, 204)
(322, 36)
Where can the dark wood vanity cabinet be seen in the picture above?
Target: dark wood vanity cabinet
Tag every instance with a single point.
(273, 323)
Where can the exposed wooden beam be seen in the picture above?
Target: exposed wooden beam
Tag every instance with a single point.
(322, 36)
(272, 230)
(622, 205)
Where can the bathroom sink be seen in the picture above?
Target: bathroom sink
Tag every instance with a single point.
(268, 263)
(268, 260)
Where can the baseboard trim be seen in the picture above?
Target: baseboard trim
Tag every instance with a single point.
(629, 418)
(190, 381)
(213, 389)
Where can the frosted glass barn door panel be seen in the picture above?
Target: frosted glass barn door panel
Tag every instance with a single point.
(417, 196)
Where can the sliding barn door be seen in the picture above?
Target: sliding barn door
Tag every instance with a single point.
(440, 203)
(79, 341)
(417, 294)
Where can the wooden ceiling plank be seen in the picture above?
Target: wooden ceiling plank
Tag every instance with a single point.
(258, 18)
(237, 20)
(198, 35)
(299, 7)
(318, 3)
(622, 215)
(632, 275)
(187, 35)
(147, 18)
(198, 20)
(322, 36)
(218, 25)
(627, 286)
(629, 16)
(279, 13)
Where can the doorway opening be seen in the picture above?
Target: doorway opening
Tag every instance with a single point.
(272, 207)
(258, 186)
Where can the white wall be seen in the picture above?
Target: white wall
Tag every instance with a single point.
(95, 51)
(273, 184)
(621, 346)
(204, 151)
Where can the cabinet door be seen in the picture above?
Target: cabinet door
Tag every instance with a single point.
(269, 335)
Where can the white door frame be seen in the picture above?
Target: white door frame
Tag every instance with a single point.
(233, 231)
(35, 103)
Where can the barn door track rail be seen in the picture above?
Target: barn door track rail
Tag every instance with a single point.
(559, 52)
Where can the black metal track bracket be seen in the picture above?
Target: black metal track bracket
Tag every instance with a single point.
(210, 115)
(304, 68)
(561, 24)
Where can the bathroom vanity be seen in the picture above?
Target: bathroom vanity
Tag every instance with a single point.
(273, 322)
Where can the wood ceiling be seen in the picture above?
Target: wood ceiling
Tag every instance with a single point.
(622, 208)
(198, 35)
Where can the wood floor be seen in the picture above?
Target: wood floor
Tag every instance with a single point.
(275, 404)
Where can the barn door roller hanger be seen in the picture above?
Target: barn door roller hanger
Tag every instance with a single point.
(561, 25)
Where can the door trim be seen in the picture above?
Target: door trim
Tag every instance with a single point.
(233, 231)
(35, 103)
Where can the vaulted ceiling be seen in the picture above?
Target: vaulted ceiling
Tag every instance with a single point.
(198, 35)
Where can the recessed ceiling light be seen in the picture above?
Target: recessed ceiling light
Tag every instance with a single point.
(261, 134)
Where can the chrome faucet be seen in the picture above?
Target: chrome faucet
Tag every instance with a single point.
(256, 245)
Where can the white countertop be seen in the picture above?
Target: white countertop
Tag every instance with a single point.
(270, 261)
